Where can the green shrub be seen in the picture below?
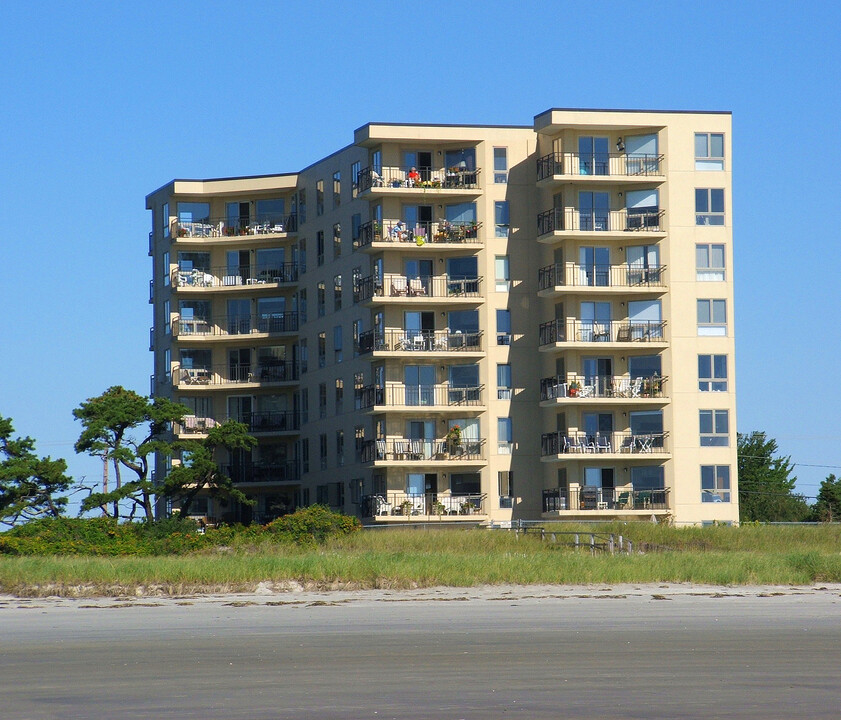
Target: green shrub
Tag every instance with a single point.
(313, 524)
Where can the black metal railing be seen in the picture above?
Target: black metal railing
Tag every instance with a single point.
(270, 421)
(575, 275)
(415, 507)
(611, 164)
(419, 234)
(602, 386)
(420, 396)
(596, 220)
(572, 330)
(398, 340)
(248, 472)
(233, 373)
(581, 443)
(602, 498)
(437, 286)
(401, 449)
(236, 276)
(257, 323)
(419, 178)
(216, 227)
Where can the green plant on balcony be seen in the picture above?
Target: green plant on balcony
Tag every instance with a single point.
(406, 508)
(574, 388)
(454, 436)
(438, 508)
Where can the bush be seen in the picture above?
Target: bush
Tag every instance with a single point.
(313, 524)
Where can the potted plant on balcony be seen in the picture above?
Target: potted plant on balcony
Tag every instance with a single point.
(574, 388)
(454, 436)
(438, 508)
(406, 507)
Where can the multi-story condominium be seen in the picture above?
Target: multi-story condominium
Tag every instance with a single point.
(462, 323)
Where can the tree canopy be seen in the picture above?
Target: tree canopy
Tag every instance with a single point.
(828, 505)
(30, 486)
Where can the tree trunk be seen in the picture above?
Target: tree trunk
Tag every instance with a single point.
(119, 484)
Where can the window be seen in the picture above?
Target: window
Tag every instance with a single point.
(709, 262)
(302, 305)
(322, 494)
(319, 248)
(354, 178)
(165, 269)
(712, 317)
(337, 292)
(302, 205)
(321, 291)
(302, 256)
(356, 330)
(503, 382)
(358, 441)
(504, 436)
(355, 224)
(358, 384)
(337, 240)
(319, 197)
(505, 479)
(165, 219)
(503, 327)
(322, 452)
(322, 400)
(501, 222)
(502, 273)
(709, 151)
(709, 206)
(648, 477)
(715, 428)
(305, 455)
(322, 349)
(337, 343)
(167, 317)
(500, 165)
(340, 448)
(715, 483)
(337, 188)
(340, 395)
(712, 373)
(193, 212)
(304, 355)
(271, 212)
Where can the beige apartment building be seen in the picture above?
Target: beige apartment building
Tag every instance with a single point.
(447, 323)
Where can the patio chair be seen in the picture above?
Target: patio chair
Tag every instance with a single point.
(416, 287)
(416, 449)
(399, 285)
(636, 387)
(382, 449)
(586, 444)
(401, 449)
(623, 388)
(625, 501)
(627, 444)
(587, 391)
(603, 444)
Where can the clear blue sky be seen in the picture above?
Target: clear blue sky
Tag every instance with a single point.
(103, 102)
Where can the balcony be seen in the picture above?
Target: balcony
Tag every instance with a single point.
(229, 278)
(256, 375)
(267, 324)
(396, 340)
(261, 473)
(407, 450)
(566, 277)
(611, 499)
(604, 445)
(257, 422)
(432, 288)
(599, 167)
(576, 222)
(399, 180)
(223, 227)
(585, 332)
(397, 233)
(412, 398)
(402, 507)
(606, 389)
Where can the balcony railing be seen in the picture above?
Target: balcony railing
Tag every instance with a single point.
(603, 443)
(236, 373)
(259, 421)
(436, 286)
(574, 275)
(572, 330)
(596, 498)
(397, 340)
(599, 164)
(213, 227)
(268, 323)
(419, 507)
(429, 396)
(399, 232)
(261, 472)
(398, 449)
(602, 386)
(427, 178)
(232, 277)
(592, 220)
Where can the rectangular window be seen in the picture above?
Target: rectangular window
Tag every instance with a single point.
(322, 400)
(709, 262)
(709, 151)
(503, 327)
(305, 455)
(302, 256)
(322, 452)
(322, 493)
(503, 382)
(340, 396)
(358, 384)
(501, 221)
(319, 197)
(337, 240)
(502, 274)
(337, 343)
(354, 178)
(715, 428)
(304, 355)
(302, 205)
(340, 448)
(337, 189)
(302, 305)
(715, 483)
(321, 292)
(358, 441)
(712, 373)
(355, 224)
(505, 479)
(322, 349)
(504, 435)
(337, 292)
(500, 165)
(319, 248)
(165, 220)
(165, 269)
(709, 206)
(356, 330)
(712, 317)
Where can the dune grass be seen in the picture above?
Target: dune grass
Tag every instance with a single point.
(760, 555)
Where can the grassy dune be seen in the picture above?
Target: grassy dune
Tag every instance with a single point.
(457, 558)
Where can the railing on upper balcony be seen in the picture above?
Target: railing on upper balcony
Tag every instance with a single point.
(602, 386)
(396, 339)
(437, 286)
(422, 178)
(597, 220)
(571, 330)
(574, 275)
(422, 505)
(269, 372)
(599, 164)
(412, 449)
(261, 471)
(419, 234)
(259, 421)
(215, 227)
(558, 443)
(603, 498)
(234, 276)
(254, 324)
(395, 394)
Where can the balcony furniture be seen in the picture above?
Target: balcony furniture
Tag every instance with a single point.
(622, 388)
(194, 376)
(644, 443)
(570, 445)
(416, 450)
(601, 505)
(589, 498)
(603, 444)
(382, 506)
(628, 444)
(440, 448)
(401, 449)
(625, 501)
(416, 287)
(623, 334)
(382, 449)
(636, 387)
(418, 342)
(232, 280)
(587, 391)
(399, 286)
(586, 444)
(376, 179)
(601, 333)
